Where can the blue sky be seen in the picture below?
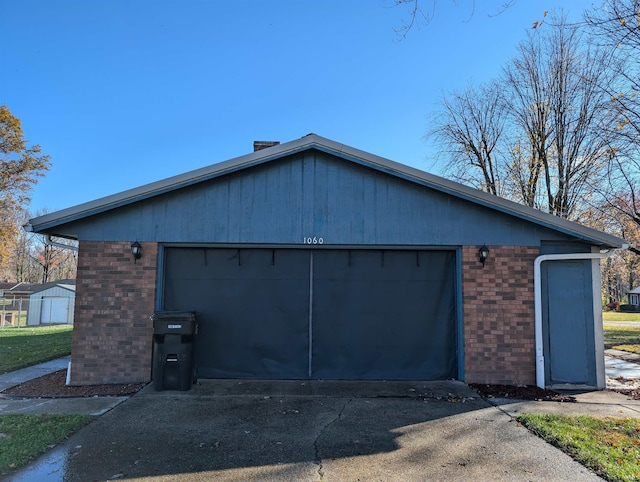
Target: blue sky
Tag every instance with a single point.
(121, 93)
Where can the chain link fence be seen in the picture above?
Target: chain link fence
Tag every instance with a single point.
(14, 310)
(20, 310)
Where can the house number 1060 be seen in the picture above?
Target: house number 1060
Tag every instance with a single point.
(313, 240)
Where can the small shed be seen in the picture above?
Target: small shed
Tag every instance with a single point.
(52, 303)
(315, 260)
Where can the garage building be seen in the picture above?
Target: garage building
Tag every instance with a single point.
(315, 260)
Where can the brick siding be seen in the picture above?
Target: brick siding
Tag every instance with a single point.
(498, 310)
(112, 334)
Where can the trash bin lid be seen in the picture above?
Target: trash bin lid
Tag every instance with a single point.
(177, 322)
(174, 315)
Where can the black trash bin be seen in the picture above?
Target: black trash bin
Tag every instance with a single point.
(173, 340)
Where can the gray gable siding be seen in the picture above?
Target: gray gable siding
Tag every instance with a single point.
(309, 194)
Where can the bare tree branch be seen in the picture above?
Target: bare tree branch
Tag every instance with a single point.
(419, 16)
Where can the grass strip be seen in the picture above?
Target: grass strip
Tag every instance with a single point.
(608, 446)
(23, 347)
(629, 348)
(616, 336)
(619, 316)
(23, 438)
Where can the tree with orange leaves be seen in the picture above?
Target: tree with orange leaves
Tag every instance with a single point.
(20, 167)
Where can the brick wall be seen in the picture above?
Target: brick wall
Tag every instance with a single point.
(498, 310)
(112, 334)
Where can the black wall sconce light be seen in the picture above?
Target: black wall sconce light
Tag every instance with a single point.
(136, 250)
(483, 254)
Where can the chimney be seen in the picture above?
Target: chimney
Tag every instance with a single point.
(259, 145)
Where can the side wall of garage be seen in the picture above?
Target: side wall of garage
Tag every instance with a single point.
(112, 335)
(498, 311)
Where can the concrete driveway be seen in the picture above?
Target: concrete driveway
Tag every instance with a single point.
(306, 431)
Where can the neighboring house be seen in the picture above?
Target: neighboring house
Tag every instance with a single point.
(52, 303)
(315, 260)
(634, 297)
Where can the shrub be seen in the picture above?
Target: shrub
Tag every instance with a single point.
(613, 306)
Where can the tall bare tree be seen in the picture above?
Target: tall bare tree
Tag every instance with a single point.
(469, 128)
(55, 262)
(616, 29)
(20, 266)
(31, 260)
(52, 261)
(560, 109)
(544, 122)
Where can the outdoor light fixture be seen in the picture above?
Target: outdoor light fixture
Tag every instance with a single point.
(136, 250)
(483, 254)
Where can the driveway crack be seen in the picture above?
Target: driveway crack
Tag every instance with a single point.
(317, 458)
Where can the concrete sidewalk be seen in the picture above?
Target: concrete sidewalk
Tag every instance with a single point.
(604, 403)
(86, 405)
(11, 379)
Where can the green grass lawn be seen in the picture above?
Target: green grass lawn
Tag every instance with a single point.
(622, 338)
(619, 316)
(23, 347)
(26, 437)
(608, 446)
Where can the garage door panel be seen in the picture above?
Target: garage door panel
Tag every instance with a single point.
(264, 336)
(253, 310)
(384, 315)
(374, 314)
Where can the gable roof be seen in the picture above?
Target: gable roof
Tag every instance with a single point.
(31, 288)
(48, 222)
(69, 285)
(20, 287)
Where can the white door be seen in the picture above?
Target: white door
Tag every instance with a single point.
(54, 310)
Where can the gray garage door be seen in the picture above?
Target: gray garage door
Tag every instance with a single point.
(321, 314)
